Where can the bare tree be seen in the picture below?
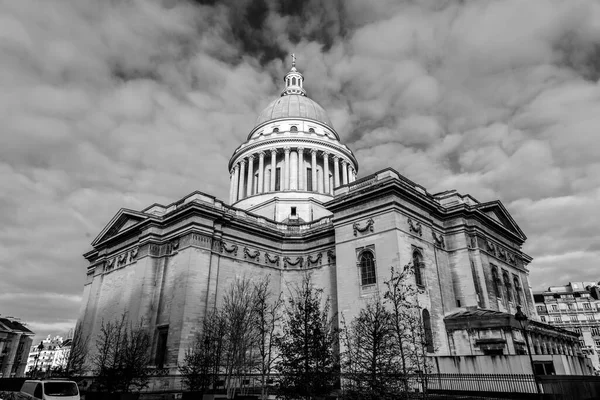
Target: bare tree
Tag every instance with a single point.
(409, 339)
(368, 359)
(308, 364)
(266, 317)
(73, 356)
(122, 356)
(240, 336)
(201, 361)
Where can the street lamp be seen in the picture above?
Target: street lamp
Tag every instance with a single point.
(524, 322)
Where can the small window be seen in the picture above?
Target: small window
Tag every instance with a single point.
(417, 265)
(508, 286)
(278, 179)
(543, 318)
(427, 331)
(311, 130)
(293, 211)
(293, 81)
(367, 268)
(275, 130)
(294, 129)
(161, 346)
(309, 187)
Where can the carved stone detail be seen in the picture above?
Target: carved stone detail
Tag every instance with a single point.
(501, 253)
(231, 250)
(121, 258)
(287, 262)
(512, 259)
(253, 255)
(314, 261)
(155, 249)
(491, 247)
(438, 240)
(330, 255)
(415, 228)
(272, 260)
(133, 254)
(110, 263)
(367, 228)
(472, 241)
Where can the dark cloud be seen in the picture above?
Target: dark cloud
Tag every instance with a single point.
(123, 104)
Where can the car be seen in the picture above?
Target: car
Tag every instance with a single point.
(49, 389)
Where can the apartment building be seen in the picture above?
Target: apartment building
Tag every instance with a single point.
(576, 307)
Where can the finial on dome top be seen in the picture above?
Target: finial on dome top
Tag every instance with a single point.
(293, 81)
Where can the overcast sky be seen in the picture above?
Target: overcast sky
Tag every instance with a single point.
(111, 104)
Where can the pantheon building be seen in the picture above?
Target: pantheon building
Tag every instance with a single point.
(298, 204)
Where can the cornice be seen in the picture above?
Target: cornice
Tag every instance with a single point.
(303, 119)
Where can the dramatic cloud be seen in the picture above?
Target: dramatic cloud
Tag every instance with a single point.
(122, 104)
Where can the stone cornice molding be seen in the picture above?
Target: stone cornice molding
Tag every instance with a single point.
(307, 143)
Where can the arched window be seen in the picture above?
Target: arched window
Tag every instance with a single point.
(367, 268)
(496, 282)
(427, 331)
(311, 130)
(294, 129)
(275, 130)
(517, 287)
(293, 81)
(417, 265)
(508, 285)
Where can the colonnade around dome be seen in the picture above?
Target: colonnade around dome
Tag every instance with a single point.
(289, 168)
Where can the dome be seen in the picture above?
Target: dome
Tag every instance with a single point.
(293, 106)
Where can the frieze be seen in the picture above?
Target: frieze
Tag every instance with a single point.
(287, 261)
(367, 228)
(500, 252)
(110, 264)
(438, 240)
(330, 255)
(154, 250)
(314, 261)
(200, 240)
(253, 255)
(472, 242)
(272, 260)
(231, 250)
(415, 227)
(122, 259)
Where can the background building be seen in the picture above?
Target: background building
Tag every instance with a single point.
(296, 206)
(49, 354)
(15, 340)
(576, 307)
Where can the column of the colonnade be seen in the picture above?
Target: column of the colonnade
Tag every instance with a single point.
(336, 171)
(344, 172)
(300, 168)
(250, 175)
(241, 185)
(315, 186)
(326, 173)
(261, 171)
(286, 169)
(273, 169)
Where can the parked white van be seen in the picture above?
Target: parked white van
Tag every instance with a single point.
(49, 390)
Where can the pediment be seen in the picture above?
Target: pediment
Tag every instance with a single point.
(496, 211)
(121, 222)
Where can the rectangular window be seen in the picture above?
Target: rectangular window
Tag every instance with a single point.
(570, 306)
(543, 319)
(161, 346)
(587, 306)
(554, 307)
(597, 343)
(573, 318)
(591, 318)
(309, 187)
(556, 319)
(278, 179)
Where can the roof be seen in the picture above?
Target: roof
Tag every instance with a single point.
(291, 106)
(13, 325)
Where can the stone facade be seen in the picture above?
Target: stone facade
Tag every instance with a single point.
(15, 340)
(168, 265)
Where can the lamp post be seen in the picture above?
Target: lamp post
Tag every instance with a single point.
(524, 323)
